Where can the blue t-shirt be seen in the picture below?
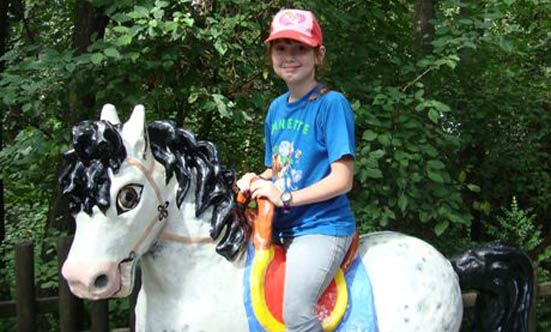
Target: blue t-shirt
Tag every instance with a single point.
(303, 138)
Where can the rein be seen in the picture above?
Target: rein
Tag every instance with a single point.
(158, 221)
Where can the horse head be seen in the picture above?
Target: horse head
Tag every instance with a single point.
(131, 185)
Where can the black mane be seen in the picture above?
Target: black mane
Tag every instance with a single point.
(98, 147)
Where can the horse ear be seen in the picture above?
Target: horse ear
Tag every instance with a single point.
(134, 133)
(109, 113)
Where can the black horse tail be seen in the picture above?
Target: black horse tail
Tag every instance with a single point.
(504, 277)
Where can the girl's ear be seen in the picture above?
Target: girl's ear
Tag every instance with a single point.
(320, 55)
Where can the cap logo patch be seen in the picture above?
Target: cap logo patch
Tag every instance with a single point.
(291, 18)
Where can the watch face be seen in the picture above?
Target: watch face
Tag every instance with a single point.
(286, 197)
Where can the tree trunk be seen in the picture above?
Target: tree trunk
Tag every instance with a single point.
(2, 214)
(4, 34)
(423, 12)
(3, 29)
(88, 21)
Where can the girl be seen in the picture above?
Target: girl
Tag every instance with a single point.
(309, 152)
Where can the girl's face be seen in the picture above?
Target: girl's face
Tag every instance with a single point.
(295, 62)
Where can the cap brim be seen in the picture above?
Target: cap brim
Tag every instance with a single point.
(294, 35)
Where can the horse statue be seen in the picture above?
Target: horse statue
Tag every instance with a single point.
(154, 193)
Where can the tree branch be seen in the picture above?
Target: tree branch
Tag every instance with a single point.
(417, 79)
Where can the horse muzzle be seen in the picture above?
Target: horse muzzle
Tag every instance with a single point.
(93, 280)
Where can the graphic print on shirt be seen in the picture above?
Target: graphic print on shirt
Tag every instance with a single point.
(285, 166)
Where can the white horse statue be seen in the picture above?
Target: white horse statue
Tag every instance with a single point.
(153, 193)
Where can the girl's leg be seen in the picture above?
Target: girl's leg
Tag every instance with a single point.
(312, 262)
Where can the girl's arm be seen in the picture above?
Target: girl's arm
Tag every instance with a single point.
(338, 182)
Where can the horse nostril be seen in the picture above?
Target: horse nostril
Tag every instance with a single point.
(101, 281)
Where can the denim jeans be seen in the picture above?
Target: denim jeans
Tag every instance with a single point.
(312, 262)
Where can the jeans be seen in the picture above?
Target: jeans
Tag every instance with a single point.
(312, 262)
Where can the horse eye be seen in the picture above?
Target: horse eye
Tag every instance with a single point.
(128, 197)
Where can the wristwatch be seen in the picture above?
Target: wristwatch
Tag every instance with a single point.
(286, 199)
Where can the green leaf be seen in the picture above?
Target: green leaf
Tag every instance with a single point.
(434, 115)
(158, 14)
(134, 56)
(441, 227)
(403, 202)
(379, 99)
(473, 188)
(440, 106)
(506, 45)
(384, 139)
(421, 106)
(424, 216)
(221, 106)
(139, 12)
(436, 164)
(188, 21)
(124, 40)
(112, 52)
(462, 177)
(470, 44)
(192, 98)
(373, 173)
(356, 104)
(466, 21)
(369, 135)
(377, 154)
(97, 58)
(27, 107)
(121, 29)
(70, 67)
(435, 176)
(429, 150)
(221, 47)
(161, 4)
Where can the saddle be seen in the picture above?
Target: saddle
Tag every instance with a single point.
(267, 274)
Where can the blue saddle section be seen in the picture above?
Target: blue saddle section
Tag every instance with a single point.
(360, 315)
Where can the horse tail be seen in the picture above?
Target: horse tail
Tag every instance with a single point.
(504, 277)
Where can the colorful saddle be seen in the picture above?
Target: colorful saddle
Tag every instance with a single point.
(346, 305)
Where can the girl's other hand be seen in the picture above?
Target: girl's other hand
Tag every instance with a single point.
(244, 184)
(268, 190)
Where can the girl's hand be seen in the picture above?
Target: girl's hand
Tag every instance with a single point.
(244, 184)
(268, 190)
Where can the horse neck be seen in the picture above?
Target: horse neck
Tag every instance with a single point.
(188, 256)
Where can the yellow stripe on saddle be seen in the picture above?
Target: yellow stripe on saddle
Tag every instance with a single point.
(261, 261)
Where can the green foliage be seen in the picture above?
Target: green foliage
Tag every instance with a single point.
(517, 227)
(443, 136)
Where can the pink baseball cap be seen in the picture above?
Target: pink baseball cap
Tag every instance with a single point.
(299, 25)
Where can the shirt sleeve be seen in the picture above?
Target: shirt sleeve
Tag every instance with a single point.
(338, 128)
